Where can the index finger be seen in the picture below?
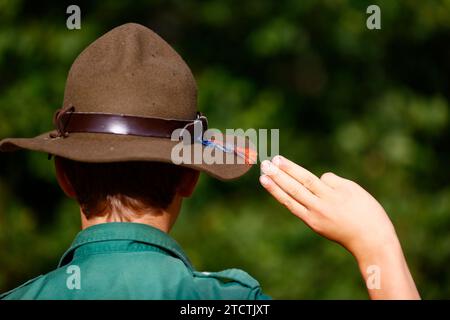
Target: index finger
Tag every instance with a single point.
(306, 178)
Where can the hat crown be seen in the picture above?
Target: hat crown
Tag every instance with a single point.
(131, 70)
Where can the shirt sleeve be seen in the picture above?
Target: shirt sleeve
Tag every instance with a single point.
(229, 284)
(257, 294)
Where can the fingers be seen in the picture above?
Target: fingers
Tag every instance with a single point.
(303, 176)
(285, 199)
(289, 185)
(331, 179)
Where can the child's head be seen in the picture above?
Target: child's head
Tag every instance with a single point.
(125, 189)
(126, 96)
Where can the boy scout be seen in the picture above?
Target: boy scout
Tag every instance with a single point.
(125, 95)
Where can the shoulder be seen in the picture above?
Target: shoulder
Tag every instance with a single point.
(51, 285)
(27, 291)
(237, 276)
(228, 284)
(144, 277)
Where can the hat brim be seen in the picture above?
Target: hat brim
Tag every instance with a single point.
(98, 148)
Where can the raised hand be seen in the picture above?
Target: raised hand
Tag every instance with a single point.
(342, 211)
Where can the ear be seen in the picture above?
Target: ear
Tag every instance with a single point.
(188, 183)
(63, 181)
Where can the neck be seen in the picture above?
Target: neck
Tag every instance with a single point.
(162, 219)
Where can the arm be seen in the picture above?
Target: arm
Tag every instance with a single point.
(342, 211)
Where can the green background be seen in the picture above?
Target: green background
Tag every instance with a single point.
(372, 106)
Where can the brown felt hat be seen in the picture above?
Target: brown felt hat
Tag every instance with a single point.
(124, 96)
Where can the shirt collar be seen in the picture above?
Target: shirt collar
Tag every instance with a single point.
(135, 232)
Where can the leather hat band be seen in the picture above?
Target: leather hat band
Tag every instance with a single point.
(67, 120)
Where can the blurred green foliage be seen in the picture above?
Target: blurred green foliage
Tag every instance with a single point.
(370, 105)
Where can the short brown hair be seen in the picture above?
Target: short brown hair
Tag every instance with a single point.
(135, 185)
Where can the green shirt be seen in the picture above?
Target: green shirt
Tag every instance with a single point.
(133, 261)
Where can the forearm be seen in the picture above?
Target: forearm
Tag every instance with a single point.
(386, 273)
